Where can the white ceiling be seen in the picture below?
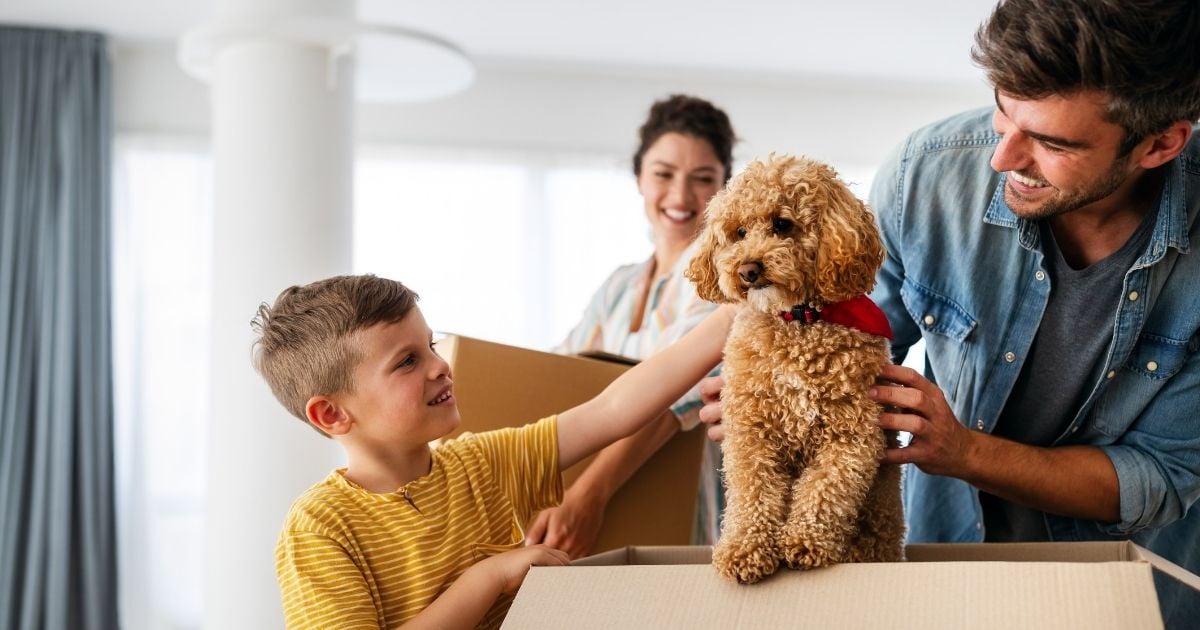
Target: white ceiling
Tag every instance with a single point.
(908, 40)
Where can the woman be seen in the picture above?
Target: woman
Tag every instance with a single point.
(684, 157)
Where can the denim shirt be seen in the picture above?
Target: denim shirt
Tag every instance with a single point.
(966, 275)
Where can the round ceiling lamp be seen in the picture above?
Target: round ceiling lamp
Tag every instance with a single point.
(392, 63)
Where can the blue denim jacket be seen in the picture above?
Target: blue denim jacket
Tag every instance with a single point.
(966, 275)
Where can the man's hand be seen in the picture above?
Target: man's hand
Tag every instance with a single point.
(940, 445)
(571, 527)
(509, 568)
(710, 413)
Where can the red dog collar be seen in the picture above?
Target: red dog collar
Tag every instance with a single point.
(858, 312)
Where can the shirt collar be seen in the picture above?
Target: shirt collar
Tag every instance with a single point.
(1170, 227)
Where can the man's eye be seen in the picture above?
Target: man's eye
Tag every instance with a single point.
(781, 226)
(741, 233)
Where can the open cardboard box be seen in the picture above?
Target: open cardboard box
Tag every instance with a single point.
(1087, 585)
(501, 386)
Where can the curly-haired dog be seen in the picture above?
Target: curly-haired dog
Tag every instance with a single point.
(790, 242)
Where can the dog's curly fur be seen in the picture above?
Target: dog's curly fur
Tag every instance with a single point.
(802, 449)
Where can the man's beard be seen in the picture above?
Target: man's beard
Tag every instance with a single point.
(1062, 202)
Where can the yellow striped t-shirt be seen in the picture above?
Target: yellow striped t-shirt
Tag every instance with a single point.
(349, 558)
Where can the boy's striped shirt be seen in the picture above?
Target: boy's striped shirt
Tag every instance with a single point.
(349, 558)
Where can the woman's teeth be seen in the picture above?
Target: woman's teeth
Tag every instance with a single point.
(679, 215)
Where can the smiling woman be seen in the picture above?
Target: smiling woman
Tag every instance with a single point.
(684, 157)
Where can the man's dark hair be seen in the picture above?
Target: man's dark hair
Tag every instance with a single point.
(1144, 54)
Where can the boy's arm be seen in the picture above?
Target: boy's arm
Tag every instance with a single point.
(645, 391)
(472, 595)
(574, 525)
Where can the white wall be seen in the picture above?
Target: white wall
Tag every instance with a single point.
(530, 107)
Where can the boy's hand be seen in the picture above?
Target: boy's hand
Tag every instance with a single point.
(571, 527)
(710, 413)
(510, 567)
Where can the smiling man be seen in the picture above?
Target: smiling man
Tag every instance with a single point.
(1048, 252)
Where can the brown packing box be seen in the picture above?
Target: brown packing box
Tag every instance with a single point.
(1087, 586)
(502, 386)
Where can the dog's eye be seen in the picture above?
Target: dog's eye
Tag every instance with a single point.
(741, 232)
(781, 226)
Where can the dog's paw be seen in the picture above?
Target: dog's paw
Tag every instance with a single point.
(745, 563)
(803, 555)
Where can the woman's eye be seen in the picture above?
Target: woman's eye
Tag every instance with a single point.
(741, 232)
(781, 226)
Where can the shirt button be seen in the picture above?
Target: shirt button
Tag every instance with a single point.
(1133, 296)
(929, 319)
(978, 525)
(1010, 357)
(1152, 366)
(1040, 275)
(1111, 374)
(979, 424)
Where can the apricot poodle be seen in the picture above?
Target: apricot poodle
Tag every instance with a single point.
(790, 243)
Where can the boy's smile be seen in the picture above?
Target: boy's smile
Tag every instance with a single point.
(403, 394)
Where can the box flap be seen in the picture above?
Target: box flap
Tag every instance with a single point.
(500, 386)
(1098, 551)
(918, 595)
(647, 555)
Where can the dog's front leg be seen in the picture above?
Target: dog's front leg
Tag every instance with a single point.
(828, 496)
(756, 483)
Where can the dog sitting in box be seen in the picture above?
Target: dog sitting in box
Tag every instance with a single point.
(790, 243)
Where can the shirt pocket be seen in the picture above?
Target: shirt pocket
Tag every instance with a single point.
(945, 325)
(1156, 357)
(1153, 360)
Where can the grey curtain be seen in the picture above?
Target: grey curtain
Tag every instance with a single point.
(57, 538)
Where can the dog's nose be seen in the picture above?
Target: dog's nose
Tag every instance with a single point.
(751, 271)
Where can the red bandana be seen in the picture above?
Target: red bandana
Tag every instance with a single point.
(859, 312)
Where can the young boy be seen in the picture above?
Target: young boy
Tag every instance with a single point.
(406, 534)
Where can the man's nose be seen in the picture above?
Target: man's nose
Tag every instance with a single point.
(1012, 154)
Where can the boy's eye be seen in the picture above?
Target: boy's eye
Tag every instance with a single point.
(407, 361)
(741, 233)
(781, 226)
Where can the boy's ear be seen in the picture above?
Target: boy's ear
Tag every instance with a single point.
(327, 416)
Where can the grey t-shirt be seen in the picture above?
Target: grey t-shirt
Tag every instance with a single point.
(1063, 364)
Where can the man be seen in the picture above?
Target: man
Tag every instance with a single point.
(1048, 252)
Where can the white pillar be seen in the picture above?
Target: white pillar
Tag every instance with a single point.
(282, 138)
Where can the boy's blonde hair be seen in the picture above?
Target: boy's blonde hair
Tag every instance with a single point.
(306, 344)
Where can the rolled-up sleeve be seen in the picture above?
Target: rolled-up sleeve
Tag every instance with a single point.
(1158, 459)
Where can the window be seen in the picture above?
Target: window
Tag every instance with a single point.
(505, 247)
(162, 214)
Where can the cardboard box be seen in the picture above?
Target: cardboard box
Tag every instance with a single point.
(1002, 586)
(501, 386)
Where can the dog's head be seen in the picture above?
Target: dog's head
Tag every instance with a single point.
(786, 232)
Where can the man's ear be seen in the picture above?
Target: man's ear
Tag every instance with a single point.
(1166, 145)
(327, 416)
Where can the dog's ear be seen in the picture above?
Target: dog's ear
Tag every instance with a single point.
(850, 250)
(702, 270)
